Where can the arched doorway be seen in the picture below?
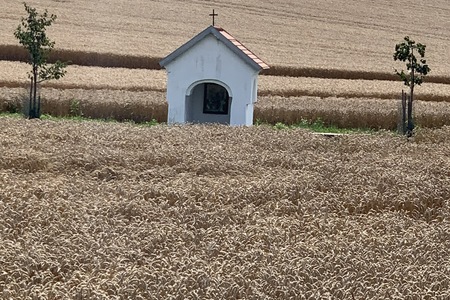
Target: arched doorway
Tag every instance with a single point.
(208, 102)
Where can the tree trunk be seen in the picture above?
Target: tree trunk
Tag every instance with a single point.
(27, 112)
(410, 126)
(33, 106)
(403, 113)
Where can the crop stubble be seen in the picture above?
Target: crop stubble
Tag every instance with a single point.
(94, 210)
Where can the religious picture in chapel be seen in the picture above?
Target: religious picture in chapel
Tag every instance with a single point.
(216, 99)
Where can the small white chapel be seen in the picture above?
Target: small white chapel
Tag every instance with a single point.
(213, 78)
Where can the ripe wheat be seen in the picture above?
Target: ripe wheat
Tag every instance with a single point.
(92, 211)
(14, 74)
(148, 105)
(339, 35)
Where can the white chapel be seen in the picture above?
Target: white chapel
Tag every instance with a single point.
(212, 78)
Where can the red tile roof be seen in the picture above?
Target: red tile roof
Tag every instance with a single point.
(241, 47)
(243, 52)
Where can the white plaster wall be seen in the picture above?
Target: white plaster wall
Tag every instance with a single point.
(210, 59)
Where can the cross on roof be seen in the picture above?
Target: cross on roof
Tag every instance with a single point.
(213, 15)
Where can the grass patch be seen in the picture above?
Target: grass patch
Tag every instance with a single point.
(10, 115)
(153, 122)
(317, 126)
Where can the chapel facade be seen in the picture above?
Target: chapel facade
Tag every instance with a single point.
(213, 78)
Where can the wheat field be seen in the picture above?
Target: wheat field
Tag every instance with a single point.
(14, 74)
(340, 47)
(92, 210)
(139, 95)
(96, 210)
(320, 34)
(145, 106)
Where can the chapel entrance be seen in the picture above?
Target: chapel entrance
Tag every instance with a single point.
(208, 102)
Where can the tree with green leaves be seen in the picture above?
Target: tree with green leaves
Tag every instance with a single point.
(32, 35)
(416, 71)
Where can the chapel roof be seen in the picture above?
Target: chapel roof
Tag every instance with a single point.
(221, 34)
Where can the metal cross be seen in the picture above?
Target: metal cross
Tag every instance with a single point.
(213, 15)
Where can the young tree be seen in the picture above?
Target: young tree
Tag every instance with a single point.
(416, 70)
(33, 37)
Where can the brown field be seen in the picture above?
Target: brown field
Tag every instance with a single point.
(92, 210)
(342, 35)
(334, 51)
